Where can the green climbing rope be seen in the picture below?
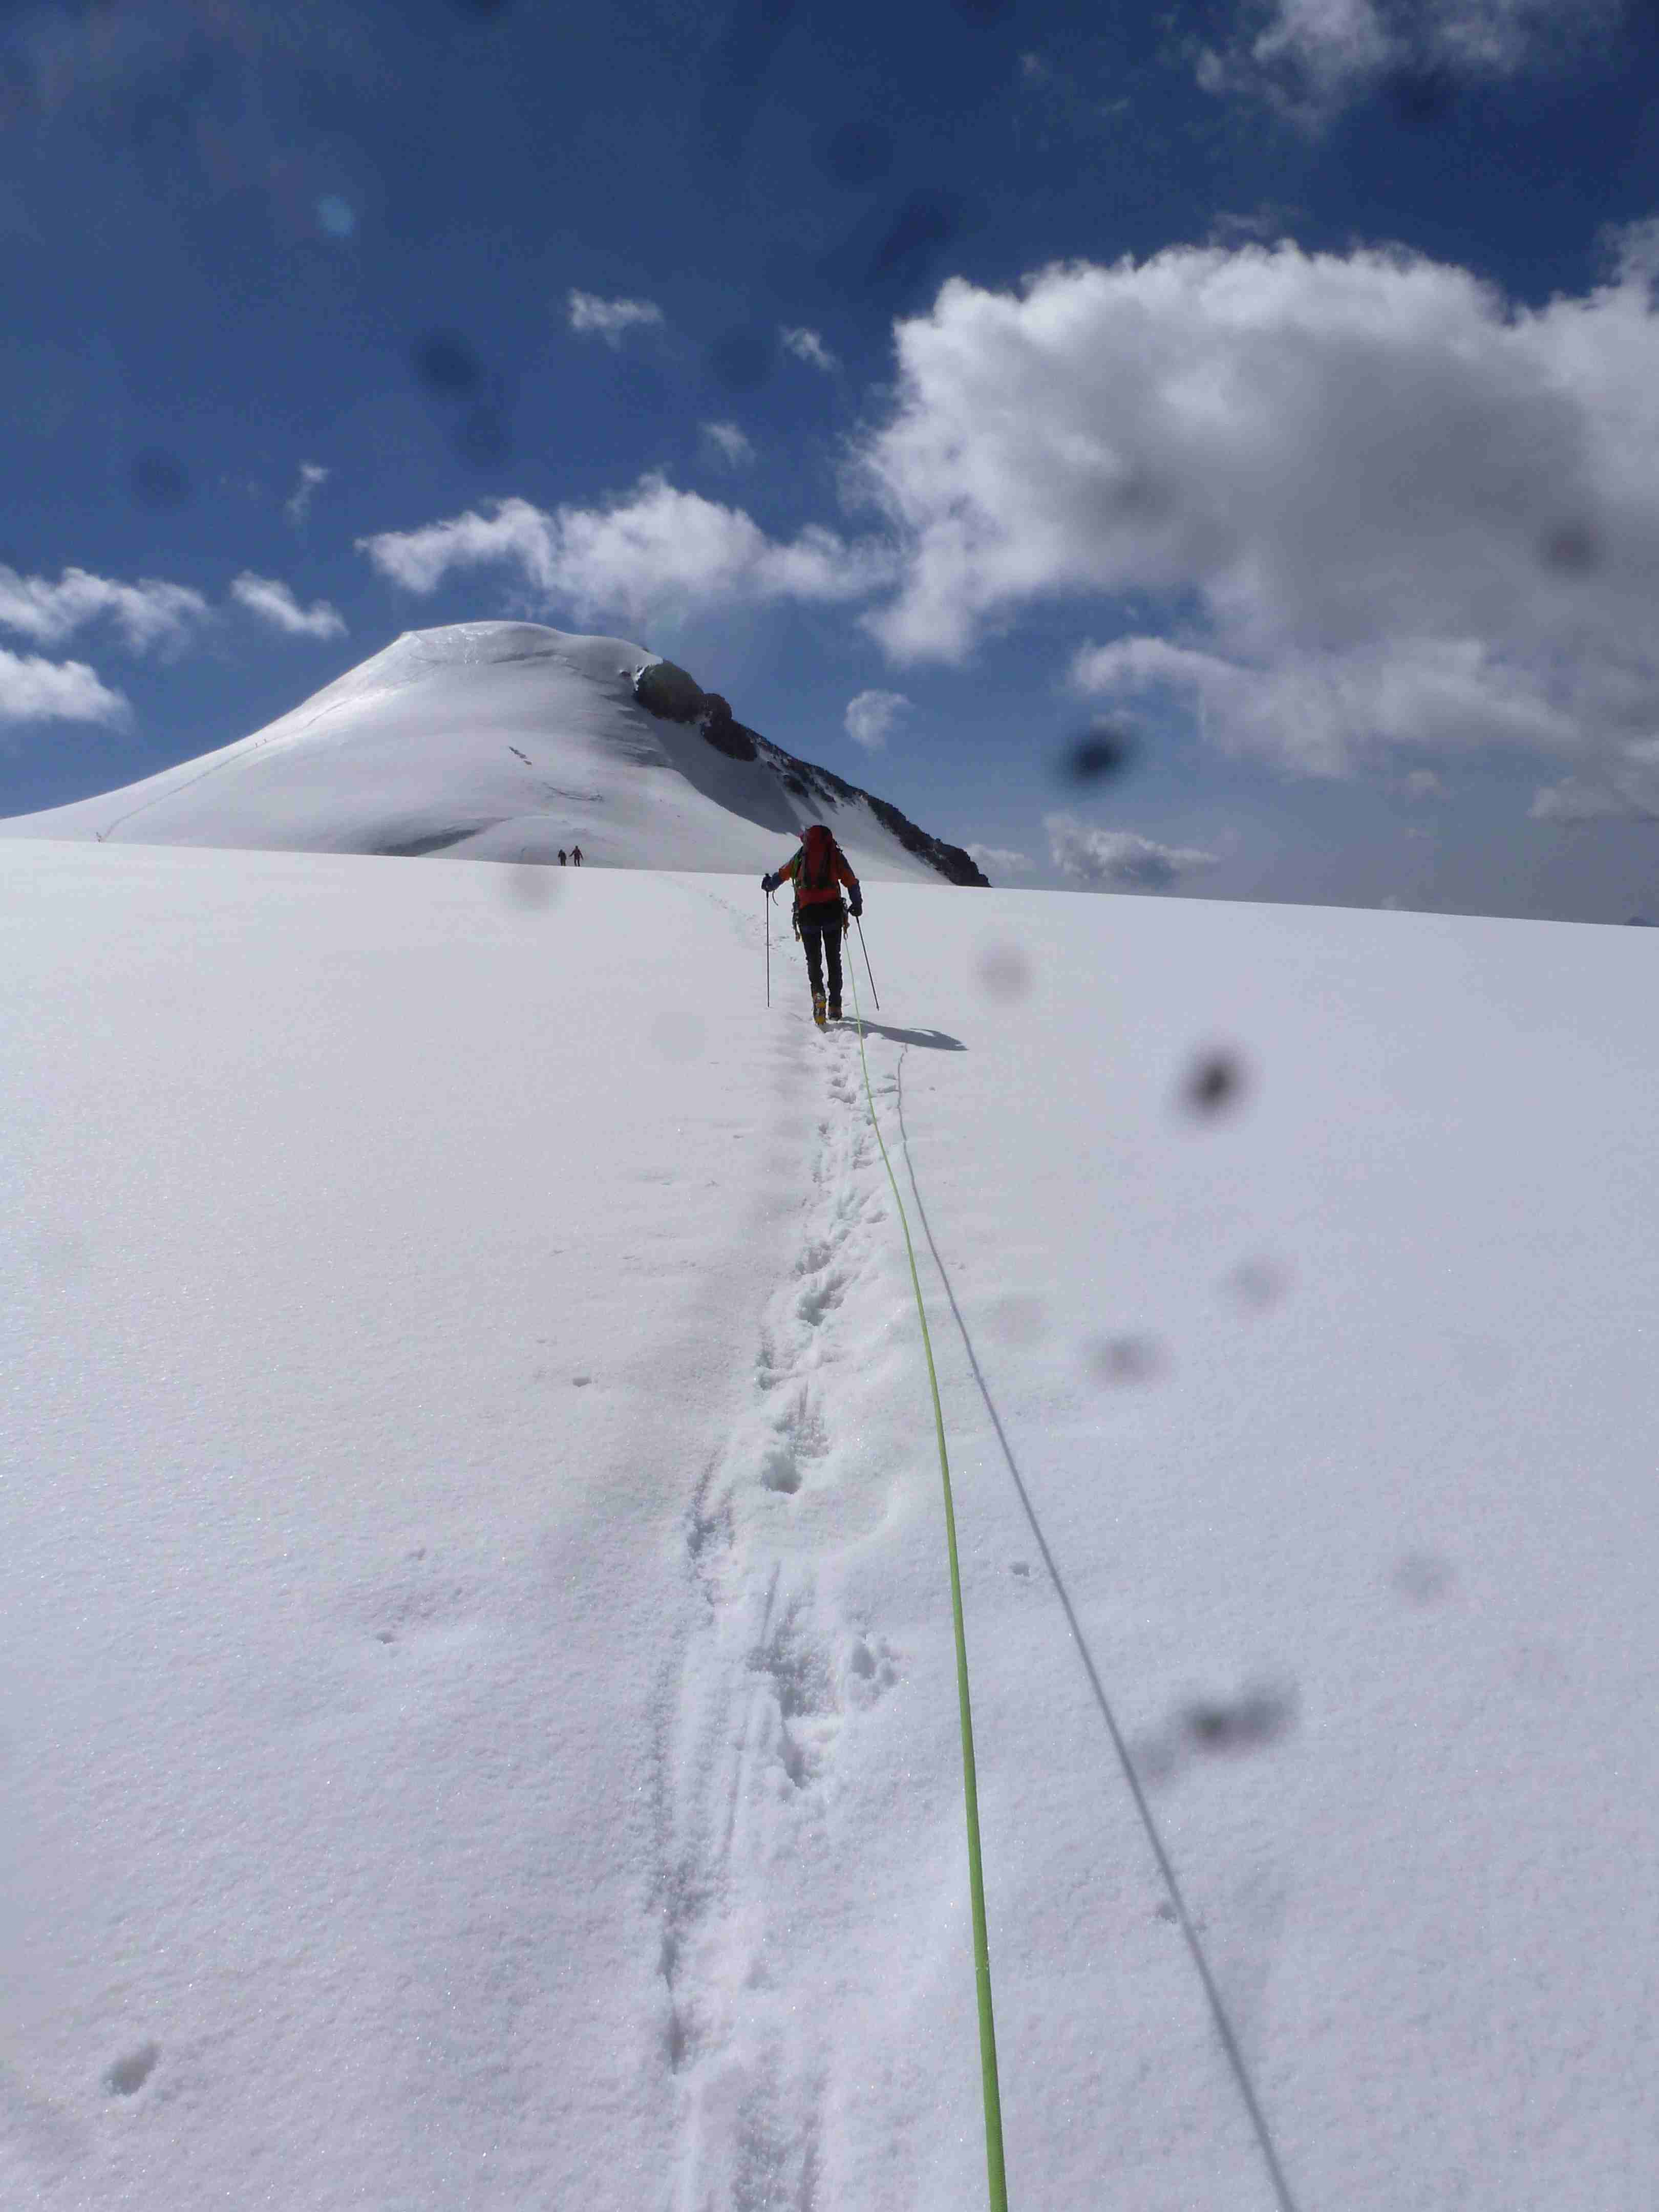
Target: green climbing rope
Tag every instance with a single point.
(987, 2033)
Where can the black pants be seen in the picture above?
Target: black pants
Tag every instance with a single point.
(820, 937)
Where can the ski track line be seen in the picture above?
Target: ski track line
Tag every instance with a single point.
(772, 1673)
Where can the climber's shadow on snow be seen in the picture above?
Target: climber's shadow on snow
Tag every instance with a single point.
(934, 1040)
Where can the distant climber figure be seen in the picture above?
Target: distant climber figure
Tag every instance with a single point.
(577, 855)
(820, 917)
(561, 856)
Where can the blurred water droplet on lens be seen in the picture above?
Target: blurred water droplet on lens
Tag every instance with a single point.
(446, 364)
(1018, 1319)
(1422, 1578)
(859, 153)
(742, 359)
(1251, 1722)
(482, 437)
(1420, 97)
(334, 215)
(919, 233)
(1127, 1359)
(528, 885)
(1259, 1282)
(159, 481)
(1002, 971)
(983, 14)
(1103, 750)
(1572, 548)
(1215, 1086)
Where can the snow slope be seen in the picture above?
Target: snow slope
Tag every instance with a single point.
(508, 741)
(474, 1639)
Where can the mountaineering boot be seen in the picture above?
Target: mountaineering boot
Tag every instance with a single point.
(817, 1008)
(834, 1010)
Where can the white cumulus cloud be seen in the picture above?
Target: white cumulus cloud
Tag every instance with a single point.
(273, 602)
(730, 442)
(610, 320)
(147, 613)
(36, 691)
(313, 477)
(806, 345)
(1119, 860)
(651, 550)
(871, 718)
(1349, 503)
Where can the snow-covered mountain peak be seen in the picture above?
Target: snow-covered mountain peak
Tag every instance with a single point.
(511, 741)
(605, 661)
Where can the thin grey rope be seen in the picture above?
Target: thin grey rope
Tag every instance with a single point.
(1217, 2010)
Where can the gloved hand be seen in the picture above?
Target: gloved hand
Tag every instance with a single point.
(855, 904)
(768, 885)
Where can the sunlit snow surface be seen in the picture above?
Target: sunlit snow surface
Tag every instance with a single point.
(484, 741)
(479, 1722)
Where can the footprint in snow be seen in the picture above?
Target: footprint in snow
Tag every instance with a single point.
(822, 1299)
(779, 1470)
(128, 2076)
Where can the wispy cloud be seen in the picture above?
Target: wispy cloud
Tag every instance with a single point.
(806, 345)
(871, 717)
(1119, 860)
(1325, 713)
(147, 613)
(36, 691)
(1624, 787)
(1310, 58)
(610, 320)
(729, 442)
(313, 477)
(273, 602)
(650, 550)
(999, 858)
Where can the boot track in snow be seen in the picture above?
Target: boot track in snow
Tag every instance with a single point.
(774, 1673)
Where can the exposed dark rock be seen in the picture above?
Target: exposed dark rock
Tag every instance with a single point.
(668, 692)
(725, 735)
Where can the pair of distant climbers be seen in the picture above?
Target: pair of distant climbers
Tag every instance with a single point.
(818, 869)
(576, 856)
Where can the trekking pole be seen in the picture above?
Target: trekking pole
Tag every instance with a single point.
(867, 966)
(769, 948)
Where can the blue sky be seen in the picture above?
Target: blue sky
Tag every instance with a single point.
(1277, 385)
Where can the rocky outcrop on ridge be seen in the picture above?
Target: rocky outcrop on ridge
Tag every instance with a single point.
(667, 690)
